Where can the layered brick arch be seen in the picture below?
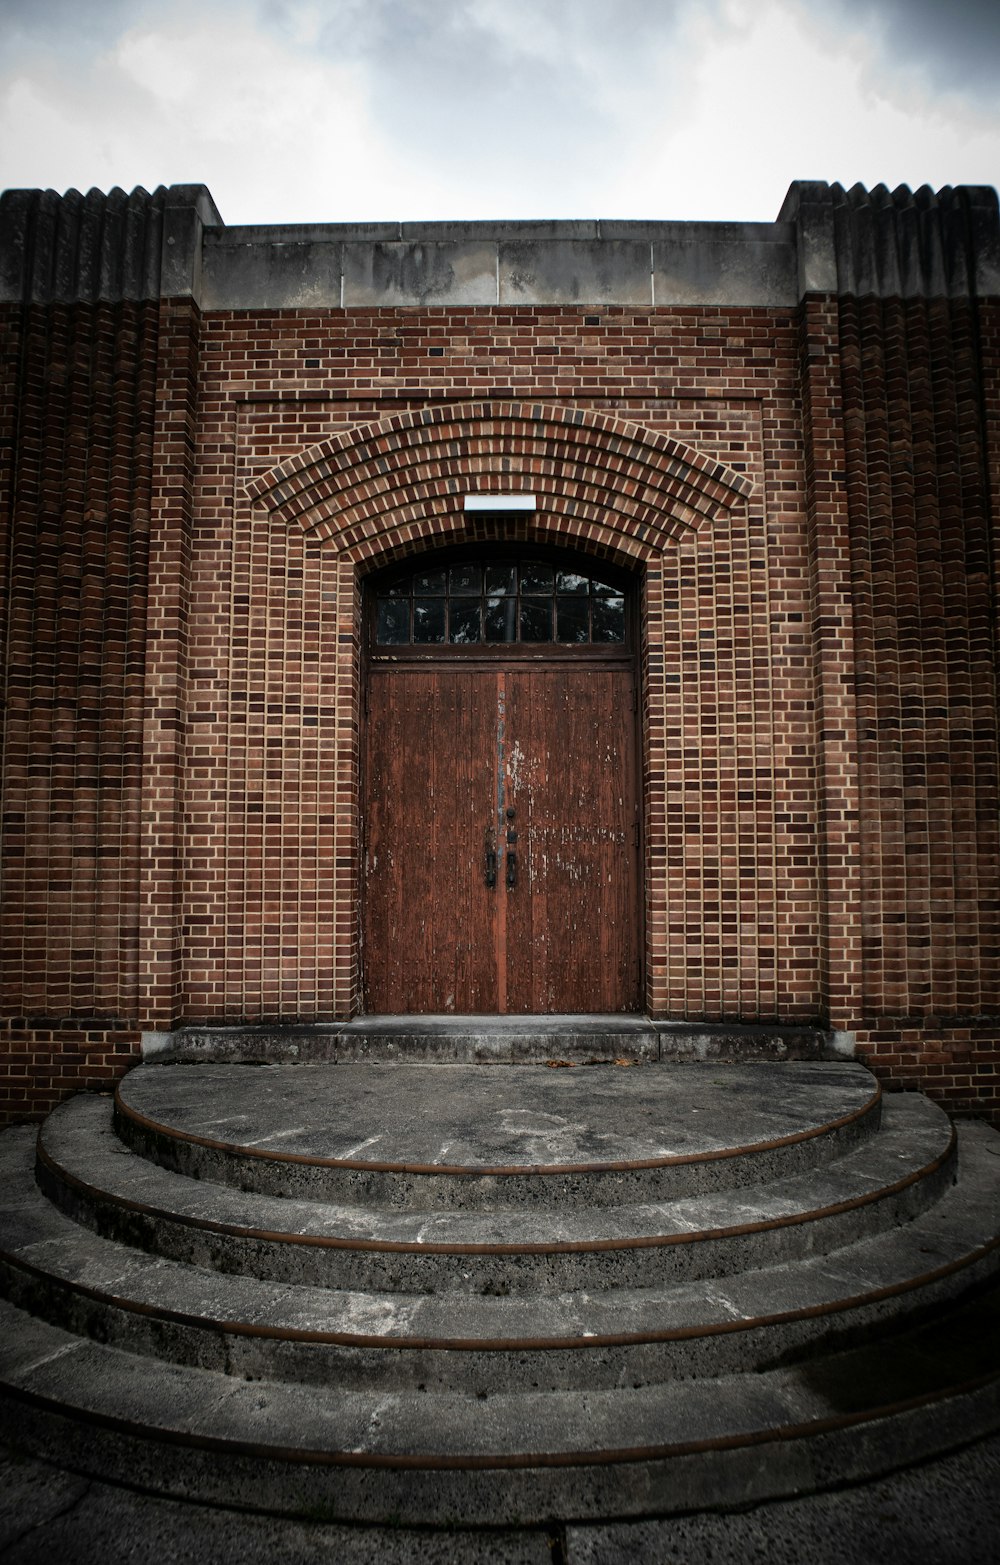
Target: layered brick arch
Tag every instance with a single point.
(599, 478)
(383, 491)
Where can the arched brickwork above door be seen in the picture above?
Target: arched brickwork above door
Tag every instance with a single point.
(605, 486)
(600, 480)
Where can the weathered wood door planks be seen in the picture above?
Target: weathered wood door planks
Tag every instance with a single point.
(451, 751)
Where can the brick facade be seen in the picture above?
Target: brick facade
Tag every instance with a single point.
(805, 489)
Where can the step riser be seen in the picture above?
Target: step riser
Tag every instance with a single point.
(471, 1371)
(405, 1191)
(496, 1042)
(708, 1479)
(491, 1273)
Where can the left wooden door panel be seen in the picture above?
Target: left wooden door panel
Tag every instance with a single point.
(429, 915)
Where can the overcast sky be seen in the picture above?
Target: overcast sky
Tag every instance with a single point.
(347, 110)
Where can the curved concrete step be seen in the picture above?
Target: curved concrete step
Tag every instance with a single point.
(518, 1136)
(521, 1458)
(882, 1182)
(245, 1326)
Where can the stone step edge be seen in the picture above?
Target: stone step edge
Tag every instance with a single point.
(499, 1040)
(909, 1283)
(125, 1116)
(707, 1481)
(830, 1310)
(52, 1175)
(779, 1434)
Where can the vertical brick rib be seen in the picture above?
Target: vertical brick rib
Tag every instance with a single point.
(833, 652)
(861, 488)
(160, 957)
(944, 645)
(75, 577)
(131, 485)
(907, 573)
(78, 716)
(926, 674)
(985, 568)
(980, 844)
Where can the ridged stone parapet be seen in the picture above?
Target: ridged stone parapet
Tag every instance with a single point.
(173, 243)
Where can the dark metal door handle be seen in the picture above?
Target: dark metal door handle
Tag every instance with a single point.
(490, 864)
(511, 868)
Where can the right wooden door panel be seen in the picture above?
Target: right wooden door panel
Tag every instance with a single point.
(573, 913)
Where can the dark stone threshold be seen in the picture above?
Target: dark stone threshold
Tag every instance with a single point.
(499, 1040)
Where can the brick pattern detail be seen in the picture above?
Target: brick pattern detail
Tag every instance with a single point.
(43, 1061)
(737, 943)
(957, 1066)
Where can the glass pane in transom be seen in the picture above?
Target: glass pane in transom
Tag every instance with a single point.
(464, 622)
(466, 579)
(536, 577)
(536, 619)
(572, 620)
(393, 621)
(428, 619)
(500, 619)
(501, 579)
(609, 619)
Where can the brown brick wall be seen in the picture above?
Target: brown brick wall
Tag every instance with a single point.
(925, 656)
(75, 659)
(732, 915)
(80, 388)
(44, 1060)
(803, 589)
(919, 392)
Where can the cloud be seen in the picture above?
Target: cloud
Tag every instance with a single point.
(832, 113)
(368, 108)
(508, 96)
(179, 98)
(62, 26)
(313, 110)
(955, 45)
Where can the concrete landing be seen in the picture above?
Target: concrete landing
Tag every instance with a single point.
(521, 1119)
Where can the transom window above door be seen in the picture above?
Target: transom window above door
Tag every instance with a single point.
(500, 599)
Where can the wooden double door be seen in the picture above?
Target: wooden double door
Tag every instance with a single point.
(501, 836)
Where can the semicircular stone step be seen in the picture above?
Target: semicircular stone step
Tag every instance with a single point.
(426, 1137)
(259, 1329)
(883, 1181)
(521, 1457)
